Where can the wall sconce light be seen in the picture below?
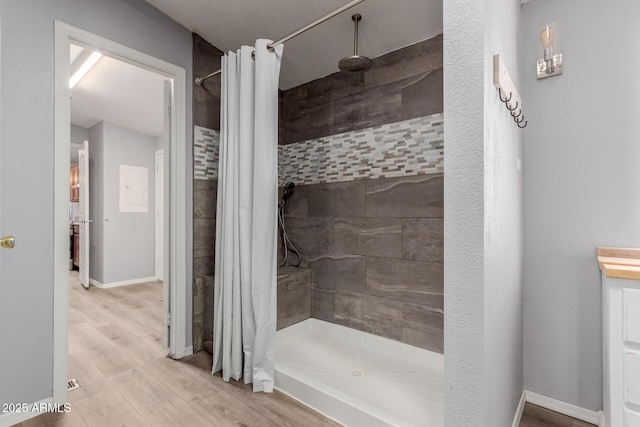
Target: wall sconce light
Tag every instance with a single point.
(551, 62)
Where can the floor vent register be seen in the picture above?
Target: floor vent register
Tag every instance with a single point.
(72, 384)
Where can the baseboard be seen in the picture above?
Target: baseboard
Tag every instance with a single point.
(564, 408)
(10, 418)
(518, 417)
(123, 283)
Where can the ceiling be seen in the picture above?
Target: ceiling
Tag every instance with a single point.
(119, 93)
(386, 25)
(132, 97)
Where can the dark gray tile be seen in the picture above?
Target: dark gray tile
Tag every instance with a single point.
(198, 310)
(423, 327)
(203, 266)
(198, 344)
(406, 197)
(370, 108)
(424, 96)
(323, 304)
(292, 278)
(368, 236)
(208, 282)
(336, 199)
(207, 326)
(406, 62)
(297, 203)
(410, 281)
(335, 86)
(280, 248)
(403, 83)
(204, 198)
(379, 316)
(344, 272)
(302, 123)
(295, 94)
(307, 111)
(423, 239)
(198, 286)
(198, 304)
(293, 302)
(206, 99)
(281, 121)
(312, 236)
(204, 237)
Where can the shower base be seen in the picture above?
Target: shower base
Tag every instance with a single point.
(359, 379)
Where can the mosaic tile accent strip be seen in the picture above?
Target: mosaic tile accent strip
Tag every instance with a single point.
(409, 147)
(206, 150)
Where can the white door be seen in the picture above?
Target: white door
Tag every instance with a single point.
(159, 214)
(83, 169)
(166, 285)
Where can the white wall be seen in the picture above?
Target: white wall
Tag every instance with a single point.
(122, 243)
(581, 186)
(78, 136)
(129, 237)
(464, 212)
(503, 222)
(483, 218)
(27, 165)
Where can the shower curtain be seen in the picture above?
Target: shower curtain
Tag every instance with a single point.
(245, 259)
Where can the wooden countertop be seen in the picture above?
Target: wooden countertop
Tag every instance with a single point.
(621, 263)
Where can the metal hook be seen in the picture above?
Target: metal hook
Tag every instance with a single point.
(514, 108)
(516, 115)
(505, 100)
(518, 121)
(522, 127)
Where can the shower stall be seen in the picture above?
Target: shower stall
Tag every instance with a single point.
(360, 238)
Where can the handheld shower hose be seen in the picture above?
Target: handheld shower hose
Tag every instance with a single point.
(288, 246)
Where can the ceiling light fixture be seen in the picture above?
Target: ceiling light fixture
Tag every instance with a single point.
(84, 68)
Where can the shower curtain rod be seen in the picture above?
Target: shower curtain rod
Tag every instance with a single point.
(200, 80)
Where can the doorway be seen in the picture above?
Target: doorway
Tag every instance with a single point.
(121, 113)
(174, 265)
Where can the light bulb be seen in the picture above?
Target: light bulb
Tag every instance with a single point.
(546, 37)
(550, 63)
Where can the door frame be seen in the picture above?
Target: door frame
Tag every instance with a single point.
(159, 225)
(175, 162)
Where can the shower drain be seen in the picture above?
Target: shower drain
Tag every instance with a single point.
(356, 373)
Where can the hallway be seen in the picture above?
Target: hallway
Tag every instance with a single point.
(115, 353)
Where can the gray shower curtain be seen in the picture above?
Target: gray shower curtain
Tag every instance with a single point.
(246, 233)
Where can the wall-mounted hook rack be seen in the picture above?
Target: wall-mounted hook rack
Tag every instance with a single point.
(507, 91)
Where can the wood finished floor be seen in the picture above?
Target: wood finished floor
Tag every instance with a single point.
(115, 353)
(536, 416)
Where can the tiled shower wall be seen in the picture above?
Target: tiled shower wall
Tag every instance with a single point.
(403, 84)
(374, 248)
(367, 150)
(371, 232)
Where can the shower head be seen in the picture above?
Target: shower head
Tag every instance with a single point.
(288, 191)
(355, 63)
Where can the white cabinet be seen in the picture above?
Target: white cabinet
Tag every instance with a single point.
(621, 349)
